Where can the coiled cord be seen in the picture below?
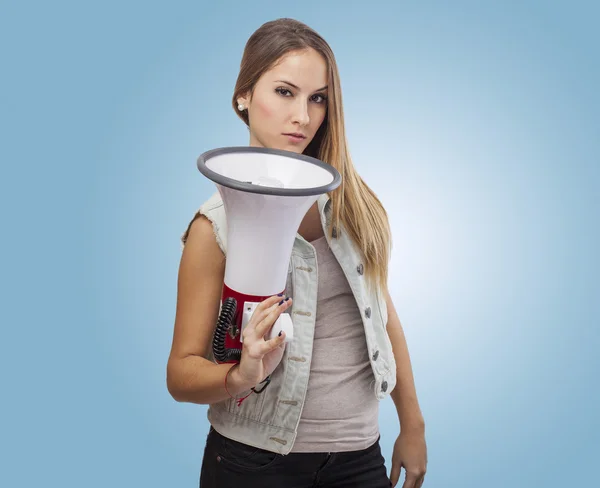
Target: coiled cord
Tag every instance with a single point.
(224, 322)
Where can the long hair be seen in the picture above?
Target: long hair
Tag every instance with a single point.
(355, 207)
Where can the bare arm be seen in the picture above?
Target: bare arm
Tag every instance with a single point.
(404, 394)
(190, 376)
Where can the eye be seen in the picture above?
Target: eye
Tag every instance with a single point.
(318, 98)
(283, 91)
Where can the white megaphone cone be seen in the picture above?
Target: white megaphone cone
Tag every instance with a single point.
(266, 194)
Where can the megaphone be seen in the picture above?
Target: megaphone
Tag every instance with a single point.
(266, 194)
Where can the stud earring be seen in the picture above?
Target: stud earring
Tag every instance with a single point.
(240, 107)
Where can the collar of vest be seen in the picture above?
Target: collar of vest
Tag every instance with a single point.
(324, 205)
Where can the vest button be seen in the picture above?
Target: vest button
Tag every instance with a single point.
(368, 312)
(384, 386)
(375, 356)
(360, 268)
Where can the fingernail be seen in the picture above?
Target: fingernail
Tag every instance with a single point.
(280, 294)
(281, 302)
(279, 333)
(286, 299)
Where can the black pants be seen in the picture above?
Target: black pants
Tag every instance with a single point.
(228, 463)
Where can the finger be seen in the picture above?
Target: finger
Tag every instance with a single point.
(395, 474)
(410, 481)
(420, 482)
(263, 307)
(274, 312)
(256, 329)
(262, 310)
(265, 347)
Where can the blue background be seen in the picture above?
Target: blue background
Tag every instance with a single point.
(477, 124)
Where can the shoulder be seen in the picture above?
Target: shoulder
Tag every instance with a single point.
(215, 220)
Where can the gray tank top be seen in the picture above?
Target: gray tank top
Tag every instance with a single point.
(340, 412)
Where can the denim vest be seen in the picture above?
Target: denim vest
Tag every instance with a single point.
(269, 420)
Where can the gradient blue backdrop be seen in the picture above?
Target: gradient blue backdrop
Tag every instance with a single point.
(477, 123)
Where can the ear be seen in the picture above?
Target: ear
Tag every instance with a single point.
(244, 99)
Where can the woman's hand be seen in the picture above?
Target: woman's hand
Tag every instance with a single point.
(410, 453)
(259, 356)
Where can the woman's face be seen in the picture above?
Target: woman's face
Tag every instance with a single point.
(289, 102)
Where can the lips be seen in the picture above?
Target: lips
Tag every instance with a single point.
(295, 134)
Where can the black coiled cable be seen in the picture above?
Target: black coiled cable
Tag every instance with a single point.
(224, 322)
(222, 355)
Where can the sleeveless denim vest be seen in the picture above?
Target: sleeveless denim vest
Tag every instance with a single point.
(269, 420)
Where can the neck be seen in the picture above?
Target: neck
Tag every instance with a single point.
(311, 227)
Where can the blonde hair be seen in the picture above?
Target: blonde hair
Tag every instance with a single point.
(355, 207)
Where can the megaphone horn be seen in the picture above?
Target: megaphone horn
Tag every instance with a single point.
(266, 194)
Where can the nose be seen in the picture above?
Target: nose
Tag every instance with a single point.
(300, 114)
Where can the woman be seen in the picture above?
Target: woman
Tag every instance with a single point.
(316, 422)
